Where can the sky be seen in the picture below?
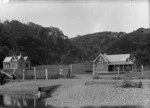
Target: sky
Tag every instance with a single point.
(79, 17)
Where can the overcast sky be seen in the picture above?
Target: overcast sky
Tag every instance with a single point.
(78, 17)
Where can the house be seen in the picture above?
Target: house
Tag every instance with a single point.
(16, 62)
(112, 63)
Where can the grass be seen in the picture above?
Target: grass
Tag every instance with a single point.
(80, 69)
(53, 70)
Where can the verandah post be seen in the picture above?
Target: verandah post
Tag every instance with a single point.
(46, 74)
(93, 69)
(142, 71)
(118, 71)
(132, 67)
(23, 73)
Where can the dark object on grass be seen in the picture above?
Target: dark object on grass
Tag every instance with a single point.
(130, 84)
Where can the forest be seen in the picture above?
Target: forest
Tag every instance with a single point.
(49, 45)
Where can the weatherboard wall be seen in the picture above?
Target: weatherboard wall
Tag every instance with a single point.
(100, 65)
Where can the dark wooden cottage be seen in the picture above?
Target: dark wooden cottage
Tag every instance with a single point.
(112, 63)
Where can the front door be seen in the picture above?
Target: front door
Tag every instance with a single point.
(111, 68)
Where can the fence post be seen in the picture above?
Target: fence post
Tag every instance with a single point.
(34, 102)
(142, 71)
(34, 73)
(93, 70)
(46, 74)
(23, 73)
(71, 74)
(14, 70)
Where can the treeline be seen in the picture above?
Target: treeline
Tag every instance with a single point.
(48, 45)
(43, 45)
(137, 43)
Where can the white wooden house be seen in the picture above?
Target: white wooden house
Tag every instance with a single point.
(16, 62)
(111, 63)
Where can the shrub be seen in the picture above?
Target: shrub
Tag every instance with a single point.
(129, 84)
(139, 85)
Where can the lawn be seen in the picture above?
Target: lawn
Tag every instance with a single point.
(53, 70)
(78, 69)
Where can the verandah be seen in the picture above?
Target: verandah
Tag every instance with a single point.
(121, 68)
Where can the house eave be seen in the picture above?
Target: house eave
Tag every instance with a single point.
(120, 63)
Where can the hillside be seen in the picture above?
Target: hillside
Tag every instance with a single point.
(43, 45)
(92, 44)
(137, 43)
(48, 45)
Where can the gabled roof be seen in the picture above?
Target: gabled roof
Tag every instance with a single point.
(117, 58)
(18, 57)
(114, 59)
(7, 59)
(25, 58)
(101, 55)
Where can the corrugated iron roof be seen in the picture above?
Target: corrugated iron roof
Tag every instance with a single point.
(7, 59)
(117, 58)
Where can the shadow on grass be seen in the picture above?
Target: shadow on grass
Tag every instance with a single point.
(123, 106)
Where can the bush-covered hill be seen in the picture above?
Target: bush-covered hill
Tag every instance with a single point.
(92, 44)
(43, 45)
(48, 45)
(137, 43)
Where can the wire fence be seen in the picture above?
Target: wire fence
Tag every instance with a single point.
(43, 72)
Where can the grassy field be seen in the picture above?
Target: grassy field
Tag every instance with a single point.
(53, 70)
(78, 69)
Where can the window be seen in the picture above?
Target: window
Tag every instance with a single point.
(14, 65)
(101, 66)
